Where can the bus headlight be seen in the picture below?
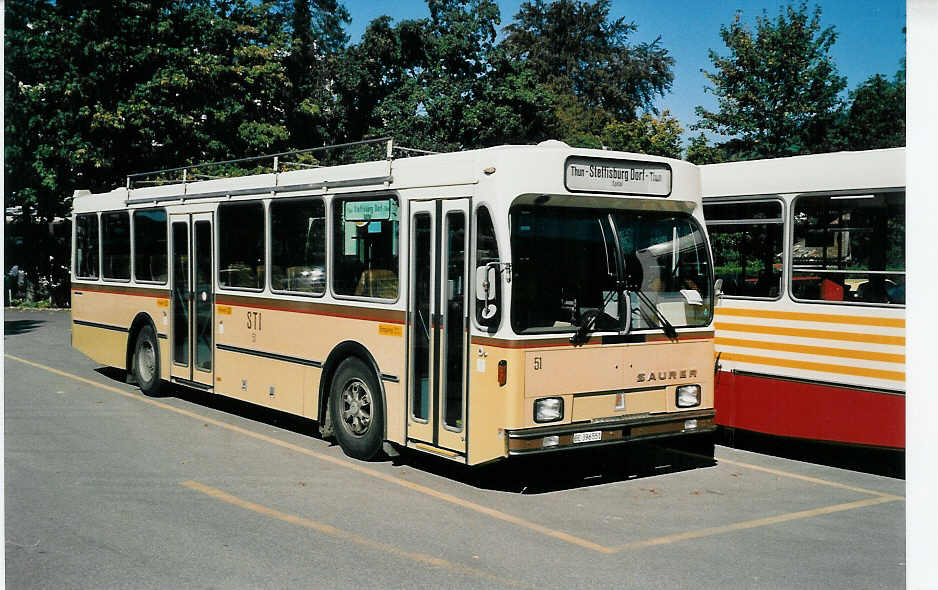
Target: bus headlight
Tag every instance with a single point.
(548, 409)
(688, 396)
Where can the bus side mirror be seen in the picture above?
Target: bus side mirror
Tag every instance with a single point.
(485, 290)
(718, 288)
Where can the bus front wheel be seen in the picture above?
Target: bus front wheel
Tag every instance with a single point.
(146, 361)
(357, 409)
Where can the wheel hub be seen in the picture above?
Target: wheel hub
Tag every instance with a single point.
(356, 406)
(146, 361)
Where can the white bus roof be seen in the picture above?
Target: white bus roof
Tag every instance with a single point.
(839, 171)
(509, 171)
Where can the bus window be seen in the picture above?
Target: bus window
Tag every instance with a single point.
(561, 266)
(486, 252)
(454, 327)
(115, 245)
(241, 245)
(421, 336)
(365, 247)
(666, 254)
(746, 238)
(150, 245)
(86, 246)
(849, 248)
(566, 269)
(298, 246)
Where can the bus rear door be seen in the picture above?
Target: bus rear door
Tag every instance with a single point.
(193, 300)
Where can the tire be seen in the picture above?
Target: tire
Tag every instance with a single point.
(357, 409)
(146, 361)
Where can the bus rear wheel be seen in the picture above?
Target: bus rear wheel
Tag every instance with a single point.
(357, 409)
(146, 361)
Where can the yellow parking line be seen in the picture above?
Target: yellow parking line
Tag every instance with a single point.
(816, 480)
(759, 522)
(491, 512)
(332, 531)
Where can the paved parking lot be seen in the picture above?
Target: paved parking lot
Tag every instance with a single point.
(106, 488)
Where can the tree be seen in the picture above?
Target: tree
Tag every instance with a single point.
(317, 42)
(659, 136)
(574, 46)
(95, 90)
(876, 115)
(442, 83)
(699, 151)
(777, 90)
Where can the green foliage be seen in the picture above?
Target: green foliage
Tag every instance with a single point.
(442, 83)
(876, 115)
(95, 90)
(776, 89)
(597, 81)
(25, 304)
(316, 42)
(574, 46)
(659, 136)
(699, 151)
(98, 89)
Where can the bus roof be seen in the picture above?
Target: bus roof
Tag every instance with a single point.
(508, 170)
(839, 171)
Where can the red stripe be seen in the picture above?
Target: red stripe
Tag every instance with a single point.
(129, 291)
(810, 410)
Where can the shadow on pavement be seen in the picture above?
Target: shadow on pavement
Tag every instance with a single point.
(878, 461)
(537, 474)
(16, 327)
(580, 468)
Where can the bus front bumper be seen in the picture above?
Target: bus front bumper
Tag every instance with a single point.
(601, 433)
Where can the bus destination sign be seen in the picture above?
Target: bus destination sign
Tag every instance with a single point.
(629, 177)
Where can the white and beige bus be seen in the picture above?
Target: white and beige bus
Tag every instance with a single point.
(810, 327)
(473, 305)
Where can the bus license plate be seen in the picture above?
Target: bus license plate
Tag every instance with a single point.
(581, 437)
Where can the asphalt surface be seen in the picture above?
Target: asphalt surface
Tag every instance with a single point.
(107, 488)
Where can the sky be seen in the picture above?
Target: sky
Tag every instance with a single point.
(869, 36)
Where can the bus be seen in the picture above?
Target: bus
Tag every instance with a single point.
(810, 326)
(473, 305)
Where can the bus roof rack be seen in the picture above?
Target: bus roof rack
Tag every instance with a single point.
(279, 163)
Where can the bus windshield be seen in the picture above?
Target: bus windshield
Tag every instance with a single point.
(623, 269)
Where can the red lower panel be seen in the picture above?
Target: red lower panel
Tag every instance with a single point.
(811, 411)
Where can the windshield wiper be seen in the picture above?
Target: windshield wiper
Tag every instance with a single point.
(589, 318)
(663, 322)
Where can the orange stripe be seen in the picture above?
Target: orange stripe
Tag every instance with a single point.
(819, 334)
(809, 366)
(819, 350)
(811, 317)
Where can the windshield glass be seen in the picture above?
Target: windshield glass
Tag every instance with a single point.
(569, 264)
